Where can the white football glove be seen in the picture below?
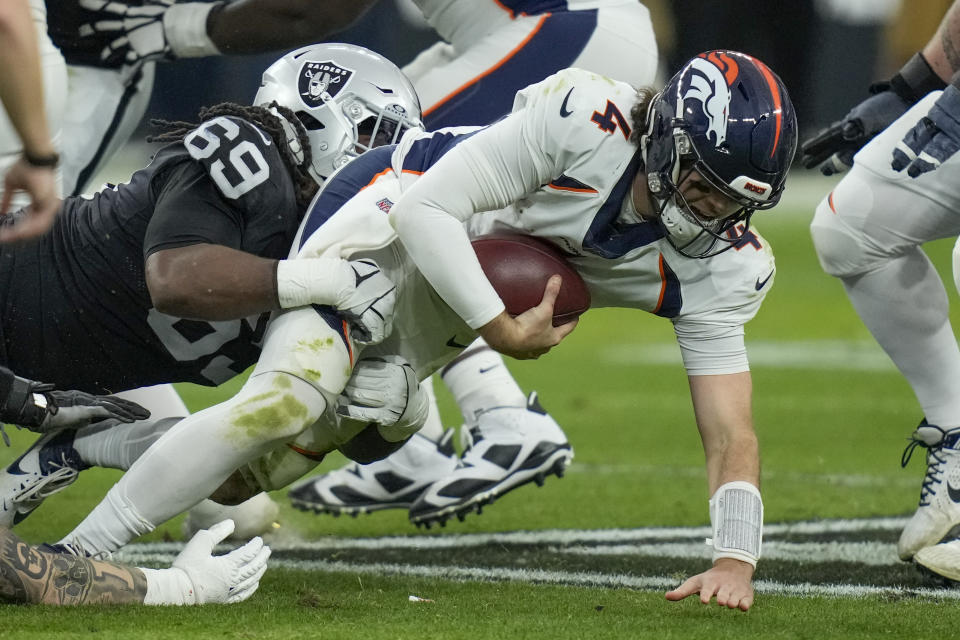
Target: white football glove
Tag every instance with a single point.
(229, 578)
(367, 302)
(157, 30)
(385, 390)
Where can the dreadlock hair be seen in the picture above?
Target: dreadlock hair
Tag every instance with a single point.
(304, 184)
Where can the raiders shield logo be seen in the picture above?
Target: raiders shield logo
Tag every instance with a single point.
(319, 78)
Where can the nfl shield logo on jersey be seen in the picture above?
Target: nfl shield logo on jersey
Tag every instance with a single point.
(320, 81)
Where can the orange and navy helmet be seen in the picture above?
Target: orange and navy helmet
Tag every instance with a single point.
(727, 115)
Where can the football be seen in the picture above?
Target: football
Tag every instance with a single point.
(519, 266)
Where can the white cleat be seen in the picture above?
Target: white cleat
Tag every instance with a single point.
(254, 517)
(510, 447)
(49, 466)
(392, 483)
(939, 508)
(943, 559)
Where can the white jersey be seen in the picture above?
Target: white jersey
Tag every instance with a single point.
(567, 189)
(453, 18)
(493, 48)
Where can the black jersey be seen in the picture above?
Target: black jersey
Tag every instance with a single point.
(64, 20)
(74, 305)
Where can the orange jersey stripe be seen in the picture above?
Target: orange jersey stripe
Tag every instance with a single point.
(499, 64)
(377, 177)
(574, 189)
(312, 455)
(663, 284)
(830, 202)
(346, 333)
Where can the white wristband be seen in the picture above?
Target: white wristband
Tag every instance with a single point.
(185, 27)
(312, 281)
(736, 517)
(168, 586)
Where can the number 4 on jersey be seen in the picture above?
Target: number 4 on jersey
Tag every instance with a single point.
(610, 119)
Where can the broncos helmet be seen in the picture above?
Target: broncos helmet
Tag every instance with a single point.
(728, 117)
(340, 92)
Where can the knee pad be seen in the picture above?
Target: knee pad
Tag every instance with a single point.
(841, 250)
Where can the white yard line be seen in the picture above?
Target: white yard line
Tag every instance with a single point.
(847, 355)
(672, 542)
(548, 536)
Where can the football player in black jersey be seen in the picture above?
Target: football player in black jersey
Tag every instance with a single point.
(172, 276)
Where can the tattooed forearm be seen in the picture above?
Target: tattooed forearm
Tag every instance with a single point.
(28, 575)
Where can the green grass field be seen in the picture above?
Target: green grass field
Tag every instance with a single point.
(832, 415)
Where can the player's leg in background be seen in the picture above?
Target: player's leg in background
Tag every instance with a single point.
(863, 237)
(474, 81)
(106, 105)
(54, 82)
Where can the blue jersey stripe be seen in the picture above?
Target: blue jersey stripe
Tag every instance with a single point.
(344, 185)
(608, 238)
(672, 299)
(491, 96)
(425, 152)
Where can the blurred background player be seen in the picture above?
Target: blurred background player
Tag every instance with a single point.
(32, 73)
(669, 198)
(868, 233)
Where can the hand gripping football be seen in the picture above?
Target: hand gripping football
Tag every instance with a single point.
(519, 266)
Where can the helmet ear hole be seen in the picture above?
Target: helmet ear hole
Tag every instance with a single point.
(309, 122)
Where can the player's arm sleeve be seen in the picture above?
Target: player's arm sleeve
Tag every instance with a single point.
(712, 349)
(488, 171)
(712, 339)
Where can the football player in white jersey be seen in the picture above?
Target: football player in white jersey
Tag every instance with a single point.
(868, 233)
(651, 197)
(30, 68)
(490, 50)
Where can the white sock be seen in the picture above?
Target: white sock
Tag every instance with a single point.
(479, 380)
(904, 305)
(114, 445)
(190, 461)
(112, 523)
(433, 427)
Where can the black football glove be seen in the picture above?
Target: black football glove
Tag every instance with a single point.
(833, 148)
(934, 139)
(40, 408)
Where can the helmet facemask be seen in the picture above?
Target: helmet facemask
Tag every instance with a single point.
(726, 120)
(693, 235)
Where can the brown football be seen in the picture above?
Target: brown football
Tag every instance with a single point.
(519, 266)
